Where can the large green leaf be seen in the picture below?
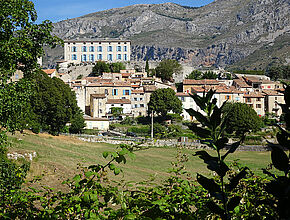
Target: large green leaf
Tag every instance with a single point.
(279, 158)
(209, 184)
(235, 180)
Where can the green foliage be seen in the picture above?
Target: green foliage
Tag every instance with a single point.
(212, 133)
(77, 122)
(241, 118)
(250, 72)
(54, 105)
(164, 100)
(143, 130)
(196, 74)
(147, 66)
(100, 67)
(116, 67)
(14, 107)
(80, 76)
(279, 185)
(22, 39)
(278, 72)
(116, 111)
(128, 121)
(166, 68)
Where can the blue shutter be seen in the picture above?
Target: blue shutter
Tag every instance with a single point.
(129, 92)
(124, 92)
(116, 91)
(112, 91)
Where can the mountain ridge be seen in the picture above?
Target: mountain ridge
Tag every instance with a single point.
(221, 33)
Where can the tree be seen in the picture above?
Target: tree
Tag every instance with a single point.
(166, 68)
(116, 67)
(100, 68)
(241, 118)
(147, 66)
(77, 123)
(196, 74)
(116, 111)
(164, 100)
(278, 72)
(53, 104)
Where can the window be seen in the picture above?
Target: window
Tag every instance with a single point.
(92, 49)
(135, 99)
(106, 91)
(182, 99)
(228, 97)
(84, 57)
(74, 49)
(248, 99)
(125, 48)
(115, 92)
(258, 105)
(119, 48)
(275, 98)
(110, 49)
(126, 92)
(258, 99)
(119, 56)
(74, 57)
(141, 105)
(141, 99)
(100, 49)
(100, 56)
(121, 104)
(92, 57)
(237, 98)
(110, 57)
(125, 57)
(136, 106)
(84, 49)
(101, 111)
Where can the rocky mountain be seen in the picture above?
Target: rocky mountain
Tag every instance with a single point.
(223, 33)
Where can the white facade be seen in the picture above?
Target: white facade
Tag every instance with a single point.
(113, 50)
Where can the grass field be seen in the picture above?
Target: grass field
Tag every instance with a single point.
(59, 156)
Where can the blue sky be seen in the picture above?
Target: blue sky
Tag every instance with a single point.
(57, 10)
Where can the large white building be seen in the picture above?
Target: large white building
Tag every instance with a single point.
(111, 50)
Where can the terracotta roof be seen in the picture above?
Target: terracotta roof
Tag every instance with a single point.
(118, 101)
(254, 95)
(98, 95)
(109, 84)
(76, 84)
(135, 86)
(126, 74)
(138, 91)
(49, 71)
(271, 92)
(242, 83)
(149, 88)
(218, 89)
(200, 82)
(181, 94)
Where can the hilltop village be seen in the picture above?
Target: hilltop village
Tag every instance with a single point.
(130, 89)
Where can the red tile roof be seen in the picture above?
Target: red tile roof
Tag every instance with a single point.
(49, 71)
(118, 101)
(200, 82)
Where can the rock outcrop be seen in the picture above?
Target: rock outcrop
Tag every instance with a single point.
(221, 33)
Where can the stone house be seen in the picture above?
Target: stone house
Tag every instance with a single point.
(272, 101)
(257, 101)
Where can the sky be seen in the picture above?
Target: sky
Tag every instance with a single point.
(57, 10)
